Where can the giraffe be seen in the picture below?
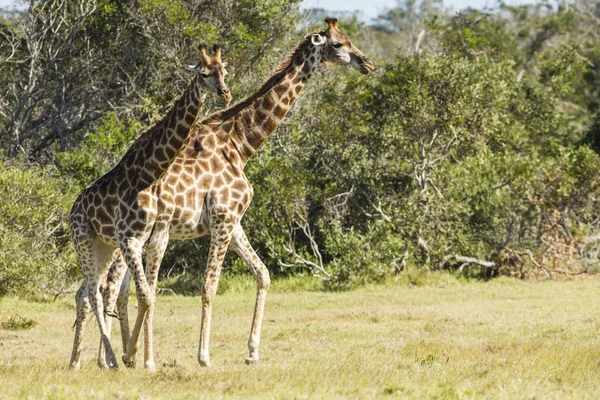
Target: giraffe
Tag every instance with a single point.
(106, 214)
(205, 191)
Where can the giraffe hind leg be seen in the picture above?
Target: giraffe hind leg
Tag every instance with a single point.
(83, 310)
(243, 248)
(131, 249)
(122, 302)
(102, 359)
(110, 291)
(95, 258)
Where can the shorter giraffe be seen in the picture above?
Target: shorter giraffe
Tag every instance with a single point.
(106, 215)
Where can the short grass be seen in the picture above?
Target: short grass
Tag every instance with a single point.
(504, 339)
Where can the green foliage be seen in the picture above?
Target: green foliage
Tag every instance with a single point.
(35, 248)
(457, 154)
(480, 142)
(560, 68)
(18, 323)
(430, 360)
(121, 57)
(359, 258)
(100, 151)
(191, 285)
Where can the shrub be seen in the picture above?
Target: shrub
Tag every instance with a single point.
(18, 323)
(35, 247)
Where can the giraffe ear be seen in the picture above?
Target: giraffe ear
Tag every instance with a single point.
(194, 68)
(317, 40)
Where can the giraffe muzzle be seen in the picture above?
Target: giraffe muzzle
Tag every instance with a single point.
(366, 66)
(224, 94)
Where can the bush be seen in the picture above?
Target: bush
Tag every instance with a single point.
(36, 253)
(485, 149)
(448, 155)
(18, 323)
(101, 151)
(434, 157)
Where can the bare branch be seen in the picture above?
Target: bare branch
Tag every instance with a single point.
(377, 208)
(469, 260)
(419, 41)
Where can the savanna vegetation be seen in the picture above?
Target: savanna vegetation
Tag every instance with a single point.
(473, 148)
(425, 336)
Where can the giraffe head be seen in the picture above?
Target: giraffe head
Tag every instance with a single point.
(338, 48)
(212, 71)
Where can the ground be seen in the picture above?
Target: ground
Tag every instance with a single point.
(504, 339)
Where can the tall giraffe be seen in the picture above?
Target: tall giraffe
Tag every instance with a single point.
(111, 217)
(205, 190)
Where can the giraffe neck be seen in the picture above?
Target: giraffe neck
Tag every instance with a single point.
(261, 116)
(154, 151)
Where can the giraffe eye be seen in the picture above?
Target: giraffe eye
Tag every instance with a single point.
(204, 75)
(337, 45)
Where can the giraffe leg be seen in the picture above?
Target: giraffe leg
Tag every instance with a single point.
(243, 248)
(219, 241)
(132, 251)
(83, 311)
(95, 259)
(122, 301)
(104, 291)
(154, 255)
(109, 293)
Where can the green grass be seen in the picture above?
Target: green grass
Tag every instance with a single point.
(18, 323)
(504, 339)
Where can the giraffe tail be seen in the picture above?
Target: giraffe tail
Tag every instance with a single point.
(111, 314)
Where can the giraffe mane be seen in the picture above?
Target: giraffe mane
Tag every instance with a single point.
(274, 79)
(163, 117)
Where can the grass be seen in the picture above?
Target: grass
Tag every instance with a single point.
(18, 323)
(504, 339)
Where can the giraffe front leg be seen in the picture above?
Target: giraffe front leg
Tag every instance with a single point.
(154, 255)
(122, 302)
(219, 241)
(131, 249)
(243, 248)
(83, 310)
(110, 291)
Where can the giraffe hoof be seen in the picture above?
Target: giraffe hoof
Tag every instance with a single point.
(75, 367)
(112, 364)
(204, 363)
(102, 365)
(128, 364)
(150, 366)
(251, 361)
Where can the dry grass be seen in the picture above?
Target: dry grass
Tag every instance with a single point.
(505, 339)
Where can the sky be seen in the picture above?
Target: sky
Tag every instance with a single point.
(368, 8)
(371, 8)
